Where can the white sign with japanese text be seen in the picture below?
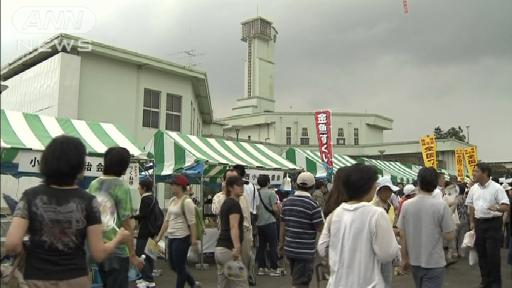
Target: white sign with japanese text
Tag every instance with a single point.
(29, 161)
(276, 177)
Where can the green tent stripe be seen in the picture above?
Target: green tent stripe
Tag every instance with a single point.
(394, 171)
(37, 127)
(249, 154)
(159, 152)
(102, 135)
(228, 149)
(291, 155)
(311, 166)
(179, 157)
(407, 172)
(215, 150)
(8, 155)
(268, 157)
(243, 149)
(8, 135)
(203, 156)
(70, 130)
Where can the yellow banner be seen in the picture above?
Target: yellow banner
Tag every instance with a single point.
(459, 163)
(471, 156)
(428, 149)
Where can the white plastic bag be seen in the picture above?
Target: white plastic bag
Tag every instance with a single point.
(193, 255)
(469, 240)
(473, 257)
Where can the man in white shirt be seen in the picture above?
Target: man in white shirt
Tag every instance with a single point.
(439, 192)
(487, 201)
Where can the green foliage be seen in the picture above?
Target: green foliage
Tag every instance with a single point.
(456, 133)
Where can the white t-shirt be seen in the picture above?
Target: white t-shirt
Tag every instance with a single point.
(438, 194)
(251, 195)
(178, 226)
(358, 238)
(482, 197)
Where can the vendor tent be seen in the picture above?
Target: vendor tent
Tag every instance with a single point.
(311, 162)
(398, 172)
(209, 157)
(24, 136)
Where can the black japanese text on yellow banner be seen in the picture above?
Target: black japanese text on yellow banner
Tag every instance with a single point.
(428, 149)
(459, 163)
(471, 158)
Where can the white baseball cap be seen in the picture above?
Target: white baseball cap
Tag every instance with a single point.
(386, 182)
(306, 179)
(409, 189)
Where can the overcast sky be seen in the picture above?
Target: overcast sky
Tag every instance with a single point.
(446, 63)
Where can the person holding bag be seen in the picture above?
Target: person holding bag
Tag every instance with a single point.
(180, 237)
(231, 237)
(268, 211)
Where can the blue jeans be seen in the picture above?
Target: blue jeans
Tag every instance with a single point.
(149, 263)
(114, 272)
(177, 251)
(428, 277)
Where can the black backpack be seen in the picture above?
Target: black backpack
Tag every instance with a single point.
(156, 218)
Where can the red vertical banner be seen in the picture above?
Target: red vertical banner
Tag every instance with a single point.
(406, 7)
(323, 132)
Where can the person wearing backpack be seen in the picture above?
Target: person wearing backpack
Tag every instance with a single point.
(180, 229)
(150, 220)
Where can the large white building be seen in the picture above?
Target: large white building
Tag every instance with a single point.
(72, 77)
(355, 134)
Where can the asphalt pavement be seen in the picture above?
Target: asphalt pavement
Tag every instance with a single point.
(458, 275)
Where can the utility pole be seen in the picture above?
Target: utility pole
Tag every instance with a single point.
(381, 152)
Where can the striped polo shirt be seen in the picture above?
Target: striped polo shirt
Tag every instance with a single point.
(301, 217)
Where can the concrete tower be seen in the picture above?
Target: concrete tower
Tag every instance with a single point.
(260, 36)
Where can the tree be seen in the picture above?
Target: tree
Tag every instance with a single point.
(456, 133)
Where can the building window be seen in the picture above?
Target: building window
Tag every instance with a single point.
(151, 109)
(304, 141)
(173, 113)
(340, 141)
(249, 138)
(356, 136)
(304, 132)
(288, 135)
(341, 133)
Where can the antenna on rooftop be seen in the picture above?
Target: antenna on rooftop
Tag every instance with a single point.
(188, 56)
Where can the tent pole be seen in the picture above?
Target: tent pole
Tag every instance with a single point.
(201, 265)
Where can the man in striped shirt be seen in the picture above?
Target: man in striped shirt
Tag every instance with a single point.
(301, 220)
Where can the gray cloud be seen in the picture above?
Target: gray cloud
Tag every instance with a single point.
(445, 63)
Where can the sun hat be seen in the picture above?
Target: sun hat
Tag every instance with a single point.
(409, 189)
(386, 182)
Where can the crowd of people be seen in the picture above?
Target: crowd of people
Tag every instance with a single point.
(367, 229)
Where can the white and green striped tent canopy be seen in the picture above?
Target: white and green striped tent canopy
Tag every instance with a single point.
(174, 152)
(398, 172)
(32, 132)
(311, 162)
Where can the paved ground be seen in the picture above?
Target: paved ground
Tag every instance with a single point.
(458, 275)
